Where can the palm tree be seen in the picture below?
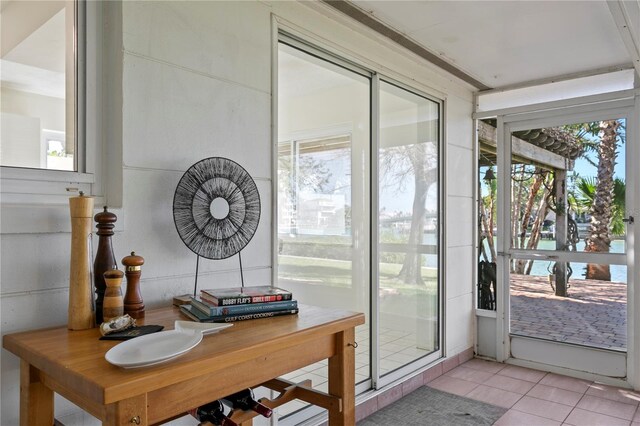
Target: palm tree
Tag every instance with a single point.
(599, 234)
(586, 193)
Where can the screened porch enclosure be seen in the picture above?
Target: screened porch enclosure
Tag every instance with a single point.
(564, 183)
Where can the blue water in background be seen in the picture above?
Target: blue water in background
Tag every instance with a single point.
(542, 268)
(618, 272)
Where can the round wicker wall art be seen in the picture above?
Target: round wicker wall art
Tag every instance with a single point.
(216, 208)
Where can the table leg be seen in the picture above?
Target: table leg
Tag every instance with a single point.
(342, 378)
(36, 400)
(132, 411)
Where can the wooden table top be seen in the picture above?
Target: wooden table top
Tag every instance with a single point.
(76, 358)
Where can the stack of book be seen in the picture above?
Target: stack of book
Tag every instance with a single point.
(237, 304)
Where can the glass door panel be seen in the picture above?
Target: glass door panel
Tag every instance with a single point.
(408, 218)
(568, 274)
(323, 208)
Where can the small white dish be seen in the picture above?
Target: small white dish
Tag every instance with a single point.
(160, 347)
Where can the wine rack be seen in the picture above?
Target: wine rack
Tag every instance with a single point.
(288, 391)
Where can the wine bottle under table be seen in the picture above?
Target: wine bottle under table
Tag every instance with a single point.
(212, 412)
(244, 400)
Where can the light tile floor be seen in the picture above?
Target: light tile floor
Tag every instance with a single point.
(538, 398)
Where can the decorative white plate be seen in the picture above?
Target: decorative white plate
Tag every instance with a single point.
(160, 347)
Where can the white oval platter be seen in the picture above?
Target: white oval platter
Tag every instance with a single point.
(160, 347)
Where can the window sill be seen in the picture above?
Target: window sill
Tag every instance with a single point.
(25, 174)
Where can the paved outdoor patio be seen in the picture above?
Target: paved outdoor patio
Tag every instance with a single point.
(594, 313)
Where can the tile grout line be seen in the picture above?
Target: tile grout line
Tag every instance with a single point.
(609, 415)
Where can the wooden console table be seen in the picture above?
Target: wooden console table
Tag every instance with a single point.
(249, 354)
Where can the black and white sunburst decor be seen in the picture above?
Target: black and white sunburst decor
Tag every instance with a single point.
(216, 208)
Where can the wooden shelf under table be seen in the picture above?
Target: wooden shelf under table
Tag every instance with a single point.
(248, 354)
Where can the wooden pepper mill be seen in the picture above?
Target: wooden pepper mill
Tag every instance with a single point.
(133, 299)
(105, 259)
(112, 305)
(80, 298)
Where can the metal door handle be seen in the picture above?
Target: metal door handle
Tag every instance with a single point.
(629, 220)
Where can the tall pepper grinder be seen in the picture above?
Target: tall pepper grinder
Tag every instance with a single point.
(105, 259)
(133, 300)
(80, 306)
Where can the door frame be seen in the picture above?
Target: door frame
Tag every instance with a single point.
(508, 122)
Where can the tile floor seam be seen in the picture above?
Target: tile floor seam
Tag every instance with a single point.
(506, 390)
(544, 417)
(497, 373)
(635, 404)
(603, 414)
(555, 402)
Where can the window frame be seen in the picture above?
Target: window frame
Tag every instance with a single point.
(18, 185)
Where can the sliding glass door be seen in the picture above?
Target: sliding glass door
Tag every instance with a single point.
(322, 211)
(358, 209)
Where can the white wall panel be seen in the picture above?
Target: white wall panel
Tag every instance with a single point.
(573, 357)
(173, 118)
(157, 291)
(486, 337)
(34, 262)
(34, 310)
(459, 269)
(459, 221)
(460, 167)
(228, 40)
(459, 324)
(458, 122)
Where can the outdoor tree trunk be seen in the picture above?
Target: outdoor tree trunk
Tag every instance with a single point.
(536, 229)
(526, 217)
(599, 236)
(411, 272)
(516, 205)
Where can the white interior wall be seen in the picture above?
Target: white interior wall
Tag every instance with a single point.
(19, 140)
(197, 83)
(50, 110)
(24, 116)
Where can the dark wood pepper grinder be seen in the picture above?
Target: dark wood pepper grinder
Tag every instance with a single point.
(105, 259)
(133, 299)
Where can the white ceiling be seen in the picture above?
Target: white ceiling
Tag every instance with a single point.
(505, 43)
